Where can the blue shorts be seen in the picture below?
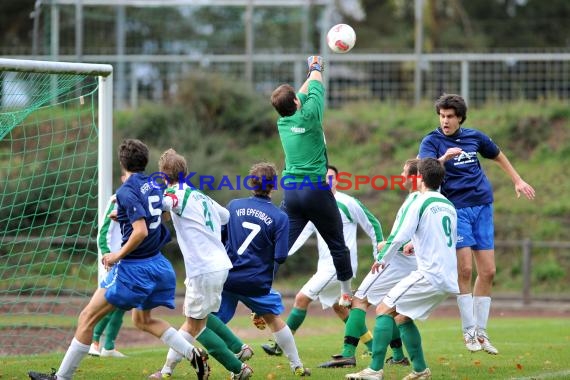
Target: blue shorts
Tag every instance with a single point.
(475, 227)
(141, 283)
(268, 304)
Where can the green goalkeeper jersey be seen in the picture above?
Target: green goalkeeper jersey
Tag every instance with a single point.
(303, 138)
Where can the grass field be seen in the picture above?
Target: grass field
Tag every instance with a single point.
(536, 348)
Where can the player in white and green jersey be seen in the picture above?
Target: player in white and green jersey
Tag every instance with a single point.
(307, 195)
(198, 221)
(108, 240)
(323, 285)
(374, 288)
(430, 221)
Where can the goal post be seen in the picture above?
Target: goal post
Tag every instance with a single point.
(56, 173)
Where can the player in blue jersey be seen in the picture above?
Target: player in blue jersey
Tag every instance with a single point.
(257, 239)
(468, 188)
(140, 277)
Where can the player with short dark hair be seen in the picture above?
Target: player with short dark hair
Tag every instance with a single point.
(469, 189)
(140, 277)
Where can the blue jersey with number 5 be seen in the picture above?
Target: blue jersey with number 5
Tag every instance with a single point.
(258, 236)
(137, 199)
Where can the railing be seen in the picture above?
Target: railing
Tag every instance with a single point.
(526, 246)
(479, 78)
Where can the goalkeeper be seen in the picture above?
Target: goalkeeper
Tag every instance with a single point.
(308, 196)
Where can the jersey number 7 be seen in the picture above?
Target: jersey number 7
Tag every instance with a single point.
(255, 228)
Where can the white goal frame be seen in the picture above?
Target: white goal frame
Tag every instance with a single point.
(104, 73)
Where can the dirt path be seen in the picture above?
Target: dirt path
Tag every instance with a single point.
(500, 309)
(49, 340)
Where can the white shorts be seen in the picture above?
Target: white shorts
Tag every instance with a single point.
(375, 286)
(204, 294)
(415, 297)
(323, 286)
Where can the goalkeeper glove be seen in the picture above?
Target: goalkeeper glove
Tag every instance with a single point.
(315, 62)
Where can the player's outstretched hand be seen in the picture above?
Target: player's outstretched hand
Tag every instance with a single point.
(521, 187)
(315, 62)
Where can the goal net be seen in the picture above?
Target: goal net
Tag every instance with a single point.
(55, 129)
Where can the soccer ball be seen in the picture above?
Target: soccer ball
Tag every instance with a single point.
(341, 38)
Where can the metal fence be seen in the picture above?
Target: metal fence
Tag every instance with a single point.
(479, 78)
(151, 53)
(524, 262)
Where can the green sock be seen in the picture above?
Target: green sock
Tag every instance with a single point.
(396, 345)
(100, 327)
(383, 330)
(217, 326)
(296, 318)
(355, 327)
(413, 341)
(113, 327)
(219, 350)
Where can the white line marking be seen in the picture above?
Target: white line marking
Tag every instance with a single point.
(551, 375)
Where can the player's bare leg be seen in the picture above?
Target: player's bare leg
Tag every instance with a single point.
(143, 320)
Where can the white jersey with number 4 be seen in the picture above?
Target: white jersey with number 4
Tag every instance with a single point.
(198, 221)
(430, 221)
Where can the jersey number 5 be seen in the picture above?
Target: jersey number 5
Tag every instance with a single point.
(255, 228)
(154, 211)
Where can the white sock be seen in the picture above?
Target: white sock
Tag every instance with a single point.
(465, 303)
(187, 336)
(176, 341)
(482, 307)
(345, 287)
(75, 353)
(284, 338)
(173, 357)
(172, 360)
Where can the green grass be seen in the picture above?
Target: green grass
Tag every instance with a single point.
(529, 349)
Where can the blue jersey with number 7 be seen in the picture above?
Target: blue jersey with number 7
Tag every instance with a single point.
(257, 237)
(137, 199)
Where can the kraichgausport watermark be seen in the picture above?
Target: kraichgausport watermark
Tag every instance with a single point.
(345, 181)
